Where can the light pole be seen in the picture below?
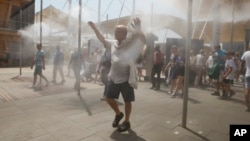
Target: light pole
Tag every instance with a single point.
(186, 79)
(20, 45)
(232, 26)
(41, 19)
(79, 40)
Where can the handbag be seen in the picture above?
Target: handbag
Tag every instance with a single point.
(133, 75)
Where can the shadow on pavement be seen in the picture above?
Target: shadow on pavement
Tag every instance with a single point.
(197, 134)
(234, 100)
(85, 105)
(130, 135)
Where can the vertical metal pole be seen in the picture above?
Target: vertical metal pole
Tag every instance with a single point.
(20, 45)
(79, 38)
(99, 11)
(69, 26)
(107, 19)
(41, 20)
(186, 79)
(152, 8)
(216, 23)
(232, 26)
(133, 10)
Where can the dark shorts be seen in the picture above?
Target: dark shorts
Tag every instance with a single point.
(38, 70)
(178, 71)
(125, 89)
(228, 81)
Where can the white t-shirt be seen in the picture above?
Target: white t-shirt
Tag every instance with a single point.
(246, 57)
(230, 63)
(210, 62)
(200, 59)
(121, 56)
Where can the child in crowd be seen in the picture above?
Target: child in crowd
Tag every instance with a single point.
(228, 77)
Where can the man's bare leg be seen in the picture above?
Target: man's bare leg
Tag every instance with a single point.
(128, 109)
(112, 103)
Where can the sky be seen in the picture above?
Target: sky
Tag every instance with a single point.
(116, 9)
(113, 7)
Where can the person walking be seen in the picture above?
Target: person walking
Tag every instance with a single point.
(158, 61)
(228, 77)
(219, 59)
(104, 69)
(179, 72)
(170, 67)
(76, 62)
(39, 63)
(122, 50)
(245, 63)
(199, 67)
(58, 65)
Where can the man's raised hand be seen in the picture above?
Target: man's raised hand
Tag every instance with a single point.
(136, 23)
(91, 24)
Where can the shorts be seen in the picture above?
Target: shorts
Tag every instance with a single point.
(220, 79)
(247, 82)
(38, 70)
(125, 89)
(228, 81)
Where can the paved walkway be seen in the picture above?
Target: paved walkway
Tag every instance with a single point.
(57, 113)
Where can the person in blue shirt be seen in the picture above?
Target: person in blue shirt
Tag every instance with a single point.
(219, 59)
(39, 63)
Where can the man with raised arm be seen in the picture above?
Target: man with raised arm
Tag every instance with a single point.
(122, 50)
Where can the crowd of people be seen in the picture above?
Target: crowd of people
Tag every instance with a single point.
(112, 65)
(217, 68)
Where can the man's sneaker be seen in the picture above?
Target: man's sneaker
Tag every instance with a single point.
(124, 126)
(117, 119)
(215, 93)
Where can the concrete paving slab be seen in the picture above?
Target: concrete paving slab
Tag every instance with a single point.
(46, 137)
(73, 133)
(57, 113)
